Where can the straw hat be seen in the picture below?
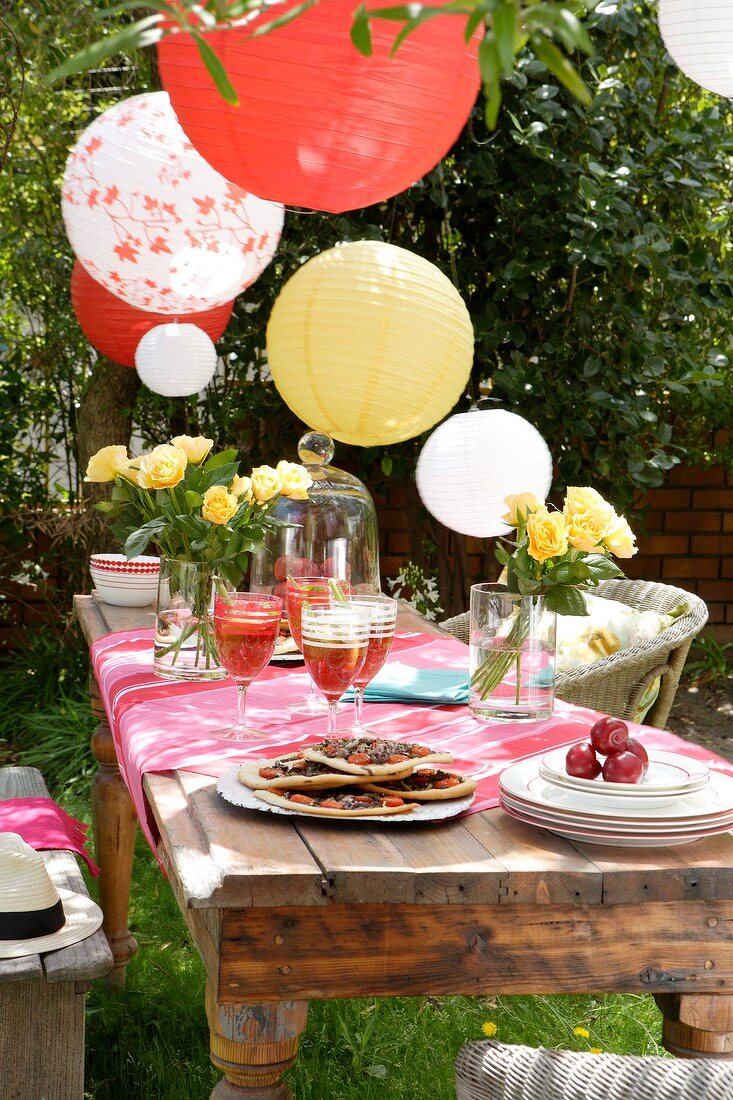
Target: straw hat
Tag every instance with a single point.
(35, 917)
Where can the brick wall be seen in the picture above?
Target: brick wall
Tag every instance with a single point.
(687, 542)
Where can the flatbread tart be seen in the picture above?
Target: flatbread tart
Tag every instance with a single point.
(367, 756)
(339, 803)
(293, 772)
(426, 785)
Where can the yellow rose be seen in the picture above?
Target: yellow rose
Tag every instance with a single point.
(163, 468)
(546, 535)
(196, 447)
(266, 483)
(589, 518)
(621, 540)
(296, 481)
(242, 487)
(219, 505)
(129, 470)
(105, 465)
(519, 504)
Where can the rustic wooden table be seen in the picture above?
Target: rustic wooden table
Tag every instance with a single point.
(286, 911)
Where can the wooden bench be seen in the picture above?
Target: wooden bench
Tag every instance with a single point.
(42, 996)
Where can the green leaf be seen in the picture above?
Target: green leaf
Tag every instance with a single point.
(562, 23)
(602, 568)
(143, 33)
(488, 60)
(219, 459)
(501, 554)
(386, 464)
(217, 72)
(193, 500)
(137, 542)
(292, 13)
(558, 64)
(504, 24)
(566, 601)
(361, 32)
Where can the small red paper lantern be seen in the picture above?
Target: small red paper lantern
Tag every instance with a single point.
(115, 329)
(319, 125)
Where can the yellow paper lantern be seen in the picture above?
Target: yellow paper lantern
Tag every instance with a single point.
(370, 343)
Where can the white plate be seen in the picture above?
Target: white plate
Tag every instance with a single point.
(612, 840)
(578, 821)
(522, 781)
(235, 792)
(669, 773)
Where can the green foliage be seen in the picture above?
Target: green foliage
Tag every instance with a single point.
(710, 661)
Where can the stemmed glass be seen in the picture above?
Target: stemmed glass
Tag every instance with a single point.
(335, 640)
(246, 626)
(381, 635)
(314, 591)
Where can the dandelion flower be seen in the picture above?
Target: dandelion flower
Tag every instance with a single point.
(489, 1029)
(581, 1032)
(595, 1050)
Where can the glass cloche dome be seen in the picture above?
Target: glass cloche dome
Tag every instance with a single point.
(331, 534)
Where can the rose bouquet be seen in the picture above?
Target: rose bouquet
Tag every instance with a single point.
(556, 554)
(197, 510)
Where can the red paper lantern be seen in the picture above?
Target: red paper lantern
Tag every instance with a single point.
(319, 125)
(115, 328)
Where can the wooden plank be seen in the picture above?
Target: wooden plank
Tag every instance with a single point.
(261, 860)
(42, 1041)
(541, 868)
(394, 950)
(98, 618)
(441, 863)
(91, 957)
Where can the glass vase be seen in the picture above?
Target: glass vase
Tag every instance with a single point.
(185, 646)
(511, 655)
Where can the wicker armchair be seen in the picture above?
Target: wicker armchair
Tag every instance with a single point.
(616, 684)
(489, 1070)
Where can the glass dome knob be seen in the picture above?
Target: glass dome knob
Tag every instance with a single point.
(315, 449)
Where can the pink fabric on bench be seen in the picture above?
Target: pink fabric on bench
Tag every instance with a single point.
(159, 725)
(44, 825)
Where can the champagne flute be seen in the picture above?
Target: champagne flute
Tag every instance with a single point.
(314, 591)
(335, 640)
(381, 635)
(246, 626)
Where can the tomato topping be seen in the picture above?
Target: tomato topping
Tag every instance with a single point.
(392, 800)
(269, 773)
(359, 758)
(302, 799)
(362, 798)
(331, 804)
(421, 750)
(397, 758)
(449, 781)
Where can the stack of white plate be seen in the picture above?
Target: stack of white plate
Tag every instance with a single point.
(123, 582)
(678, 801)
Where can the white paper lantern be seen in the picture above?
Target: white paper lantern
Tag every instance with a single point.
(153, 222)
(475, 459)
(699, 36)
(176, 360)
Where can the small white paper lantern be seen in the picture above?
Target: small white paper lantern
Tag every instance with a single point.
(151, 220)
(176, 360)
(475, 459)
(699, 36)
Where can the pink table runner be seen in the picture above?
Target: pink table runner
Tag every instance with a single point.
(44, 825)
(162, 725)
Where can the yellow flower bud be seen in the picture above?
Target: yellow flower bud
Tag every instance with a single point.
(546, 535)
(266, 483)
(196, 447)
(163, 468)
(295, 480)
(242, 487)
(219, 505)
(105, 465)
(621, 539)
(519, 504)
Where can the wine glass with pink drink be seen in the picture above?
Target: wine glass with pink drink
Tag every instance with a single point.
(246, 626)
(335, 640)
(381, 635)
(300, 591)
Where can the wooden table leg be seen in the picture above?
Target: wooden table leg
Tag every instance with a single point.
(114, 822)
(253, 1045)
(697, 1025)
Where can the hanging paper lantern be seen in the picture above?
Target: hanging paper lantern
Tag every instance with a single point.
(369, 343)
(176, 360)
(115, 329)
(153, 222)
(699, 36)
(475, 459)
(319, 125)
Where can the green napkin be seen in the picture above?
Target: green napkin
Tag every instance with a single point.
(399, 683)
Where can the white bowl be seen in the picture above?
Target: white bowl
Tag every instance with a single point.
(118, 563)
(125, 589)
